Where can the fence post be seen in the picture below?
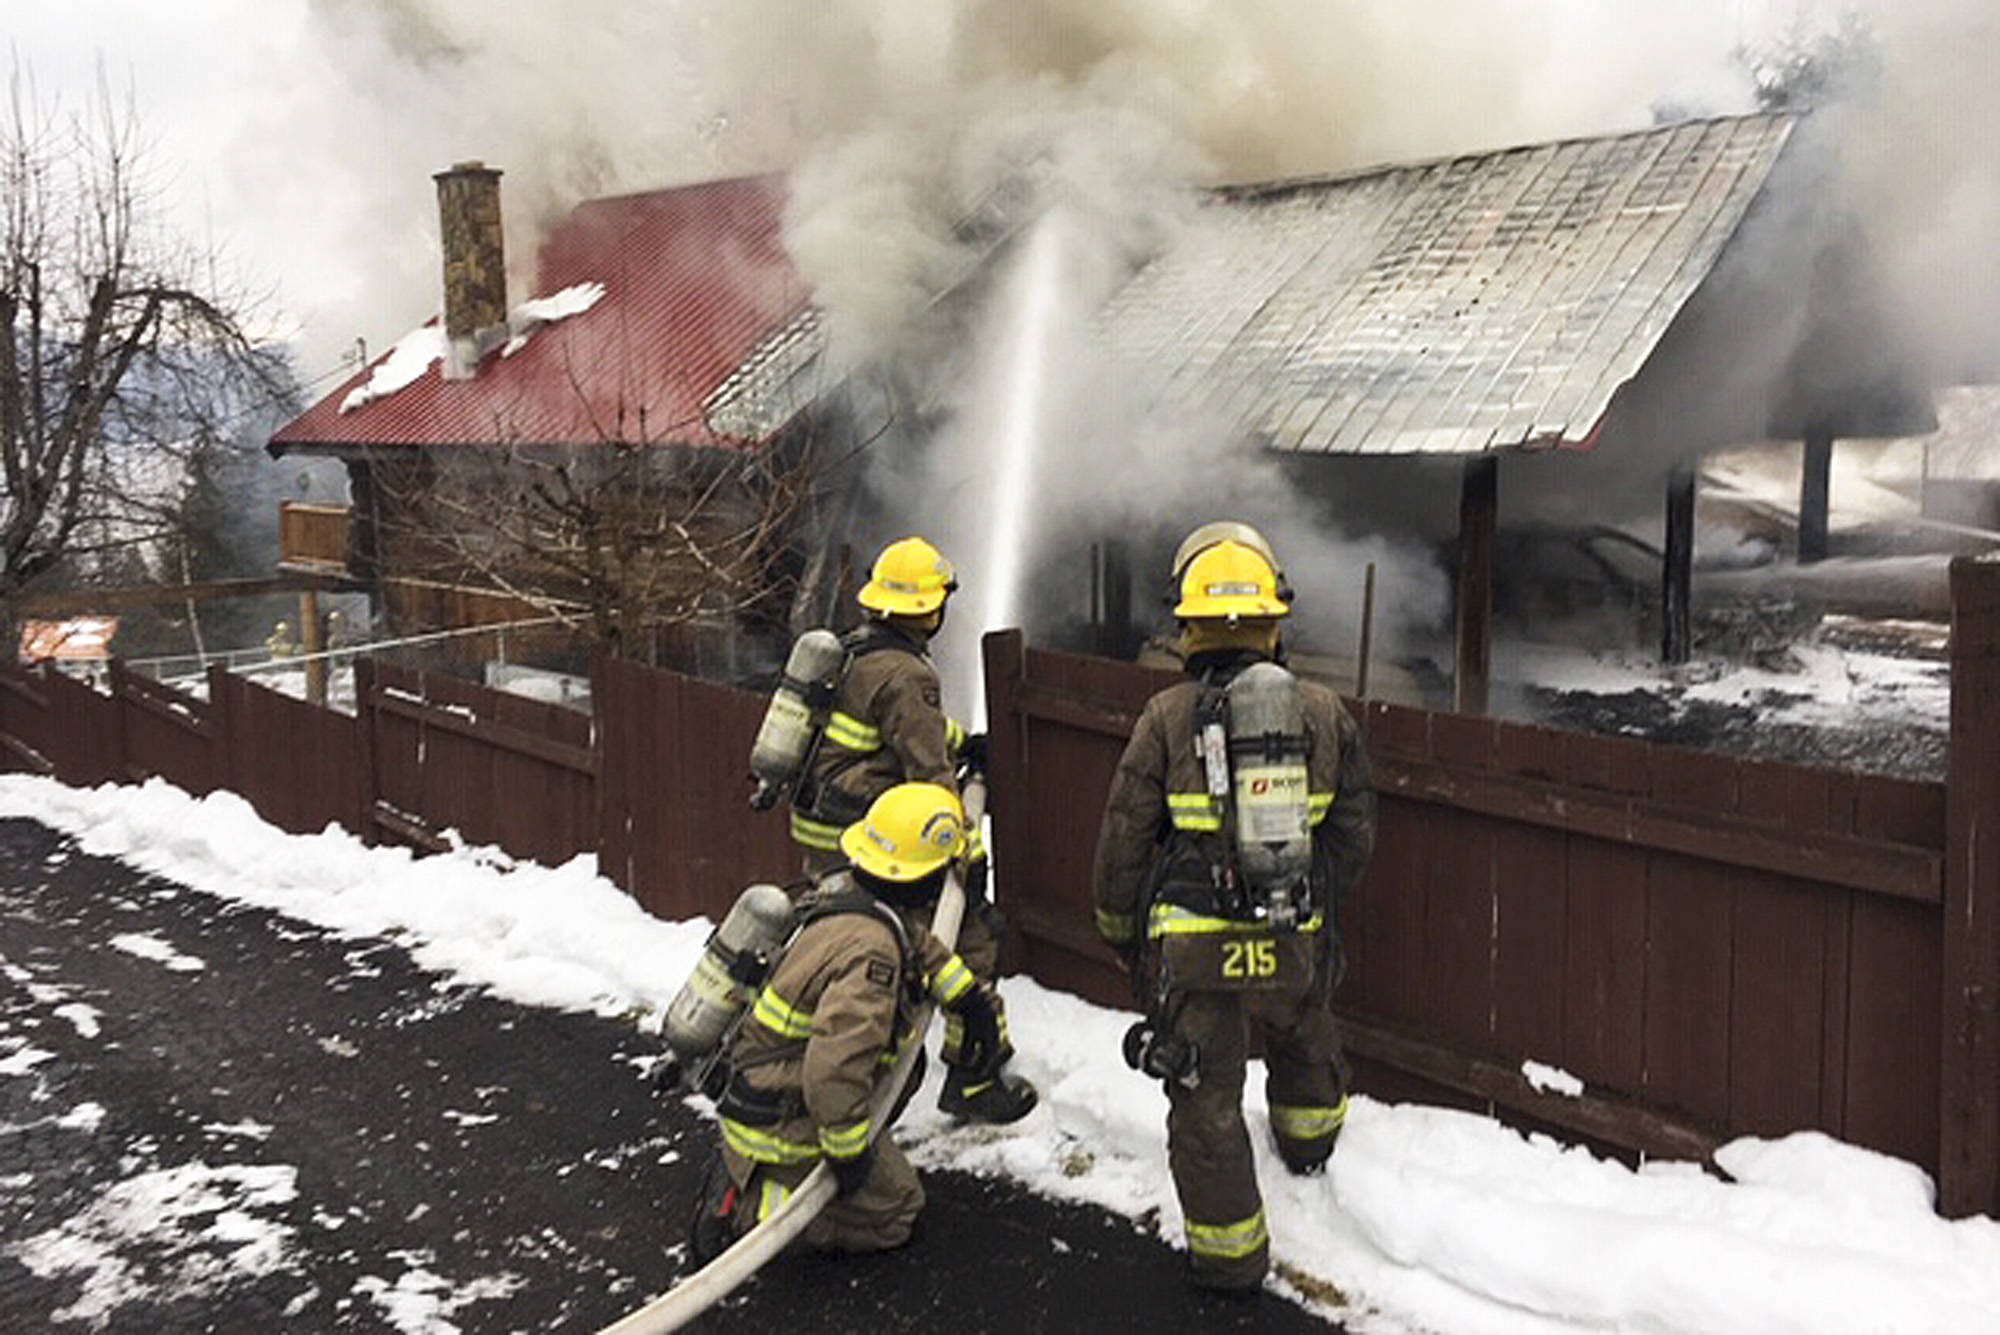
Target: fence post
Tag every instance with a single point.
(1969, 1088)
(225, 721)
(1004, 652)
(364, 719)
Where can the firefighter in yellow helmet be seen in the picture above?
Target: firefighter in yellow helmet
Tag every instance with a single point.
(835, 1012)
(887, 725)
(1219, 931)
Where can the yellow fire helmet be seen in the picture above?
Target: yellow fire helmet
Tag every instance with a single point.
(909, 832)
(910, 578)
(1218, 530)
(1229, 580)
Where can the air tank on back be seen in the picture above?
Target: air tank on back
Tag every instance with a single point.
(1270, 789)
(725, 979)
(797, 712)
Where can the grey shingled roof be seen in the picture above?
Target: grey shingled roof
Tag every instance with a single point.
(1480, 302)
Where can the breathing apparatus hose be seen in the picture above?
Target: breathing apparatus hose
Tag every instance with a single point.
(716, 1280)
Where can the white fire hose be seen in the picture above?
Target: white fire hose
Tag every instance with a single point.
(715, 1281)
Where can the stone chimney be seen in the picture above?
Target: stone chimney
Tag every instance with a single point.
(475, 264)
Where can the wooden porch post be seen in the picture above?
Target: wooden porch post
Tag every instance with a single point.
(1969, 1088)
(1815, 495)
(1677, 567)
(311, 642)
(1478, 510)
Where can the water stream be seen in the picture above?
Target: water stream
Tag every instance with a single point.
(1001, 450)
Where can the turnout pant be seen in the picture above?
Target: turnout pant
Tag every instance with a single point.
(1208, 1144)
(873, 1219)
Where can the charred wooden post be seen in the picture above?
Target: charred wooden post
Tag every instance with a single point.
(1677, 568)
(1367, 634)
(1969, 1102)
(1815, 495)
(1478, 510)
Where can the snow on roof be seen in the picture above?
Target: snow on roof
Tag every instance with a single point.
(649, 302)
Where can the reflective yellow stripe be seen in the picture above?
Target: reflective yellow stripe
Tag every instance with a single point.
(1228, 1242)
(1304, 1123)
(1317, 805)
(770, 1196)
(975, 847)
(813, 833)
(1173, 920)
(850, 732)
(781, 1017)
(951, 980)
(1193, 811)
(844, 1142)
(954, 733)
(763, 1147)
(1116, 928)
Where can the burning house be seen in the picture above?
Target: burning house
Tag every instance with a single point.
(1497, 361)
(1496, 374)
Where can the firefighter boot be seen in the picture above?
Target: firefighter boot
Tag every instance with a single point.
(712, 1228)
(997, 1099)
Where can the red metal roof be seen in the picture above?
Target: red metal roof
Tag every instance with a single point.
(694, 278)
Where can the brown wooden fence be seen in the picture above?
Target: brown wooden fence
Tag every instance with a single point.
(1714, 946)
(678, 832)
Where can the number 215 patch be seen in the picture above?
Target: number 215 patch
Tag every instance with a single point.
(1249, 959)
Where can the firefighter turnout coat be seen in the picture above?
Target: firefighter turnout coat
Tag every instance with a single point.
(1160, 879)
(829, 1024)
(887, 726)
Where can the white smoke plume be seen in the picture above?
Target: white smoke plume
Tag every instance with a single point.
(901, 119)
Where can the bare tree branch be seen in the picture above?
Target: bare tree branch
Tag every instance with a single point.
(120, 363)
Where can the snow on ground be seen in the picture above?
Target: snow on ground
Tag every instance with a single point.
(1429, 1219)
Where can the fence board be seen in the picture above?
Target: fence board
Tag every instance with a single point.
(1836, 980)
(87, 732)
(166, 733)
(1894, 1032)
(443, 760)
(27, 728)
(1604, 965)
(298, 764)
(1393, 910)
(1689, 917)
(1776, 1041)
(1530, 941)
(1458, 934)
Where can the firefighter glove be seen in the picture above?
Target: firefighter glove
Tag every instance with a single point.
(981, 1049)
(972, 753)
(851, 1172)
(973, 877)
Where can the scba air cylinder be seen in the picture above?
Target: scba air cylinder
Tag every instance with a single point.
(1270, 789)
(795, 714)
(726, 977)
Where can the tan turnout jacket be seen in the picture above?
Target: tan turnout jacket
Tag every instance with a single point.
(829, 1023)
(1159, 809)
(887, 726)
